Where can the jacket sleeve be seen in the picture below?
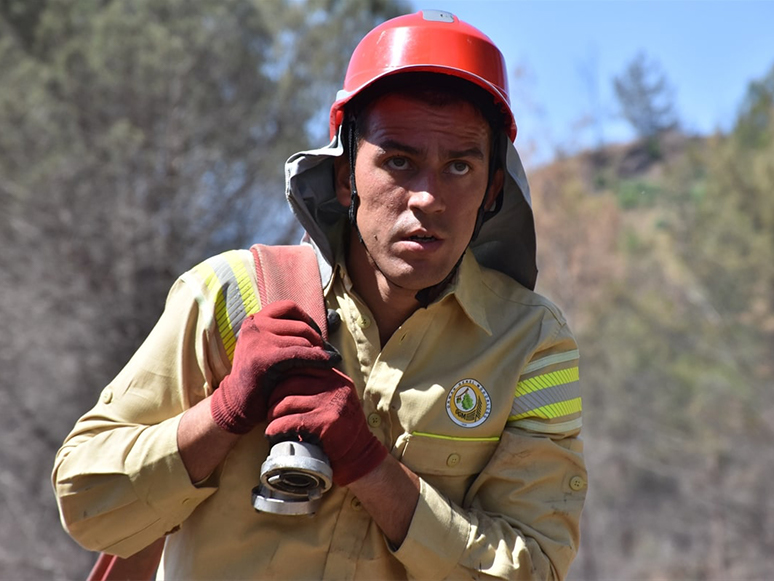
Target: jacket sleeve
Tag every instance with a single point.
(520, 517)
(119, 480)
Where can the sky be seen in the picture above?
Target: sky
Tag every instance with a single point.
(568, 52)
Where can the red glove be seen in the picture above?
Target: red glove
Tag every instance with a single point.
(277, 338)
(321, 406)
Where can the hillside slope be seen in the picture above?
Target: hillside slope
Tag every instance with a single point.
(664, 267)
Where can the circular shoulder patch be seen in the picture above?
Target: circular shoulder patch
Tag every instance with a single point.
(468, 403)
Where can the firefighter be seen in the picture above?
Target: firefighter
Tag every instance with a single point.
(446, 398)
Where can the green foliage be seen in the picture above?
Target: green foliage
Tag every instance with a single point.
(730, 233)
(637, 193)
(752, 127)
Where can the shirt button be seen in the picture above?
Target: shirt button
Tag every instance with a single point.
(577, 483)
(453, 460)
(364, 322)
(374, 420)
(107, 396)
(356, 504)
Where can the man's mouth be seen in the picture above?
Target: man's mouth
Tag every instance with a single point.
(422, 238)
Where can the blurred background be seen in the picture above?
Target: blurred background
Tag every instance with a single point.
(138, 137)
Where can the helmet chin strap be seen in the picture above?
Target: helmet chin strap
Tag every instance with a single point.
(427, 295)
(354, 200)
(483, 214)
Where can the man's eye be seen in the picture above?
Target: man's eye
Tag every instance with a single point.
(459, 168)
(397, 163)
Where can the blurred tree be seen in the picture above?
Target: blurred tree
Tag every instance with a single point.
(754, 120)
(138, 137)
(728, 232)
(646, 100)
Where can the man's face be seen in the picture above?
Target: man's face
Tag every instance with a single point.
(421, 173)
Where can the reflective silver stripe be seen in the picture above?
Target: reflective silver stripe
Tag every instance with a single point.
(551, 402)
(235, 306)
(550, 360)
(546, 428)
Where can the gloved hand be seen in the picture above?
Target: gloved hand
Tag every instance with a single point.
(280, 337)
(321, 406)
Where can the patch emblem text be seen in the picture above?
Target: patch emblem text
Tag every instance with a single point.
(468, 403)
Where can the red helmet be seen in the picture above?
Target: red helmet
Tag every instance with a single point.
(428, 41)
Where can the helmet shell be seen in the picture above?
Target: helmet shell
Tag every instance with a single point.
(427, 41)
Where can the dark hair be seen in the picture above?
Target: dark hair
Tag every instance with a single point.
(433, 88)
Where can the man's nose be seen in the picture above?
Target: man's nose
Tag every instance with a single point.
(425, 194)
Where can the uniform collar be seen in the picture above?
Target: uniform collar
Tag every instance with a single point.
(466, 288)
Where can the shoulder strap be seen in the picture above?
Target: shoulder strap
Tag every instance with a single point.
(282, 272)
(291, 272)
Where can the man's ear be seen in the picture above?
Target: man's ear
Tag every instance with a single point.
(341, 180)
(494, 188)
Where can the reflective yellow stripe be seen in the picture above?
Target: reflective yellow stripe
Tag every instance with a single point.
(550, 396)
(456, 438)
(207, 274)
(217, 273)
(548, 380)
(225, 289)
(224, 323)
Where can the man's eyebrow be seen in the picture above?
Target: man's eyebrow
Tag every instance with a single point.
(475, 152)
(391, 144)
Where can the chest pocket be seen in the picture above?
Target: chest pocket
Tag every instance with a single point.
(448, 464)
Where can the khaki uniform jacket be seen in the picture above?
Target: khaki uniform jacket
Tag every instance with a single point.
(478, 394)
